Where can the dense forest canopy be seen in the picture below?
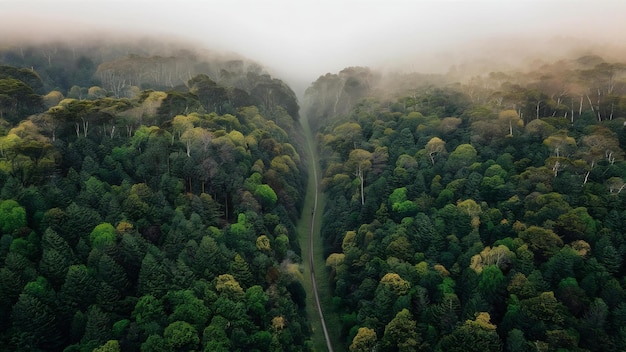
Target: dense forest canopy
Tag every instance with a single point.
(147, 202)
(477, 215)
(149, 195)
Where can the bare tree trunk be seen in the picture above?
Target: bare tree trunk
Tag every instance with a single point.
(538, 105)
(226, 205)
(362, 193)
(610, 157)
(85, 126)
(599, 116)
(555, 169)
(580, 107)
(590, 104)
(361, 176)
(337, 97)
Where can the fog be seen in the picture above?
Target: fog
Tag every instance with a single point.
(299, 40)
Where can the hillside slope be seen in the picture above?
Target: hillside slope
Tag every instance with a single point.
(148, 202)
(482, 215)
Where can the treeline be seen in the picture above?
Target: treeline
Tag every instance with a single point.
(147, 219)
(478, 216)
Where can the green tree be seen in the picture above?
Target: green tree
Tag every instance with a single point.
(501, 256)
(153, 277)
(209, 93)
(181, 336)
(511, 119)
(401, 333)
(52, 240)
(10, 288)
(364, 341)
(359, 162)
(155, 343)
(544, 307)
(187, 307)
(79, 278)
(608, 255)
(13, 216)
(395, 283)
(474, 335)
(241, 271)
(227, 285)
(543, 242)
(80, 221)
(492, 283)
(346, 137)
(35, 324)
(472, 209)
(462, 156)
(266, 196)
(149, 315)
(214, 337)
(54, 266)
(207, 258)
(102, 236)
(98, 327)
(576, 224)
(112, 273)
(256, 301)
(109, 346)
(400, 204)
(17, 99)
(434, 147)
(561, 145)
(516, 342)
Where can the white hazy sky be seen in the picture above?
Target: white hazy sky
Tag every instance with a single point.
(302, 39)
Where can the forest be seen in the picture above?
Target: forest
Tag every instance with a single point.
(147, 202)
(477, 215)
(149, 197)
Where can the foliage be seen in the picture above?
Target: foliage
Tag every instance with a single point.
(140, 207)
(487, 224)
(148, 201)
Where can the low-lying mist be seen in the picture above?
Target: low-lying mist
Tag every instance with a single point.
(299, 43)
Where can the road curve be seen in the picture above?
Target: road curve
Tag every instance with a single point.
(311, 235)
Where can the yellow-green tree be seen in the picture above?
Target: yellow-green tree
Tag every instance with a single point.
(364, 340)
(511, 119)
(401, 333)
(477, 335)
(434, 147)
(359, 162)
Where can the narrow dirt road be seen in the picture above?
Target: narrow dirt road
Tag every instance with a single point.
(311, 237)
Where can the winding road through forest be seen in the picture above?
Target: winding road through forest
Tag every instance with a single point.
(313, 167)
(311, 235)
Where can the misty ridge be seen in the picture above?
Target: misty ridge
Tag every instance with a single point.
(137, 61)
(165, 62)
